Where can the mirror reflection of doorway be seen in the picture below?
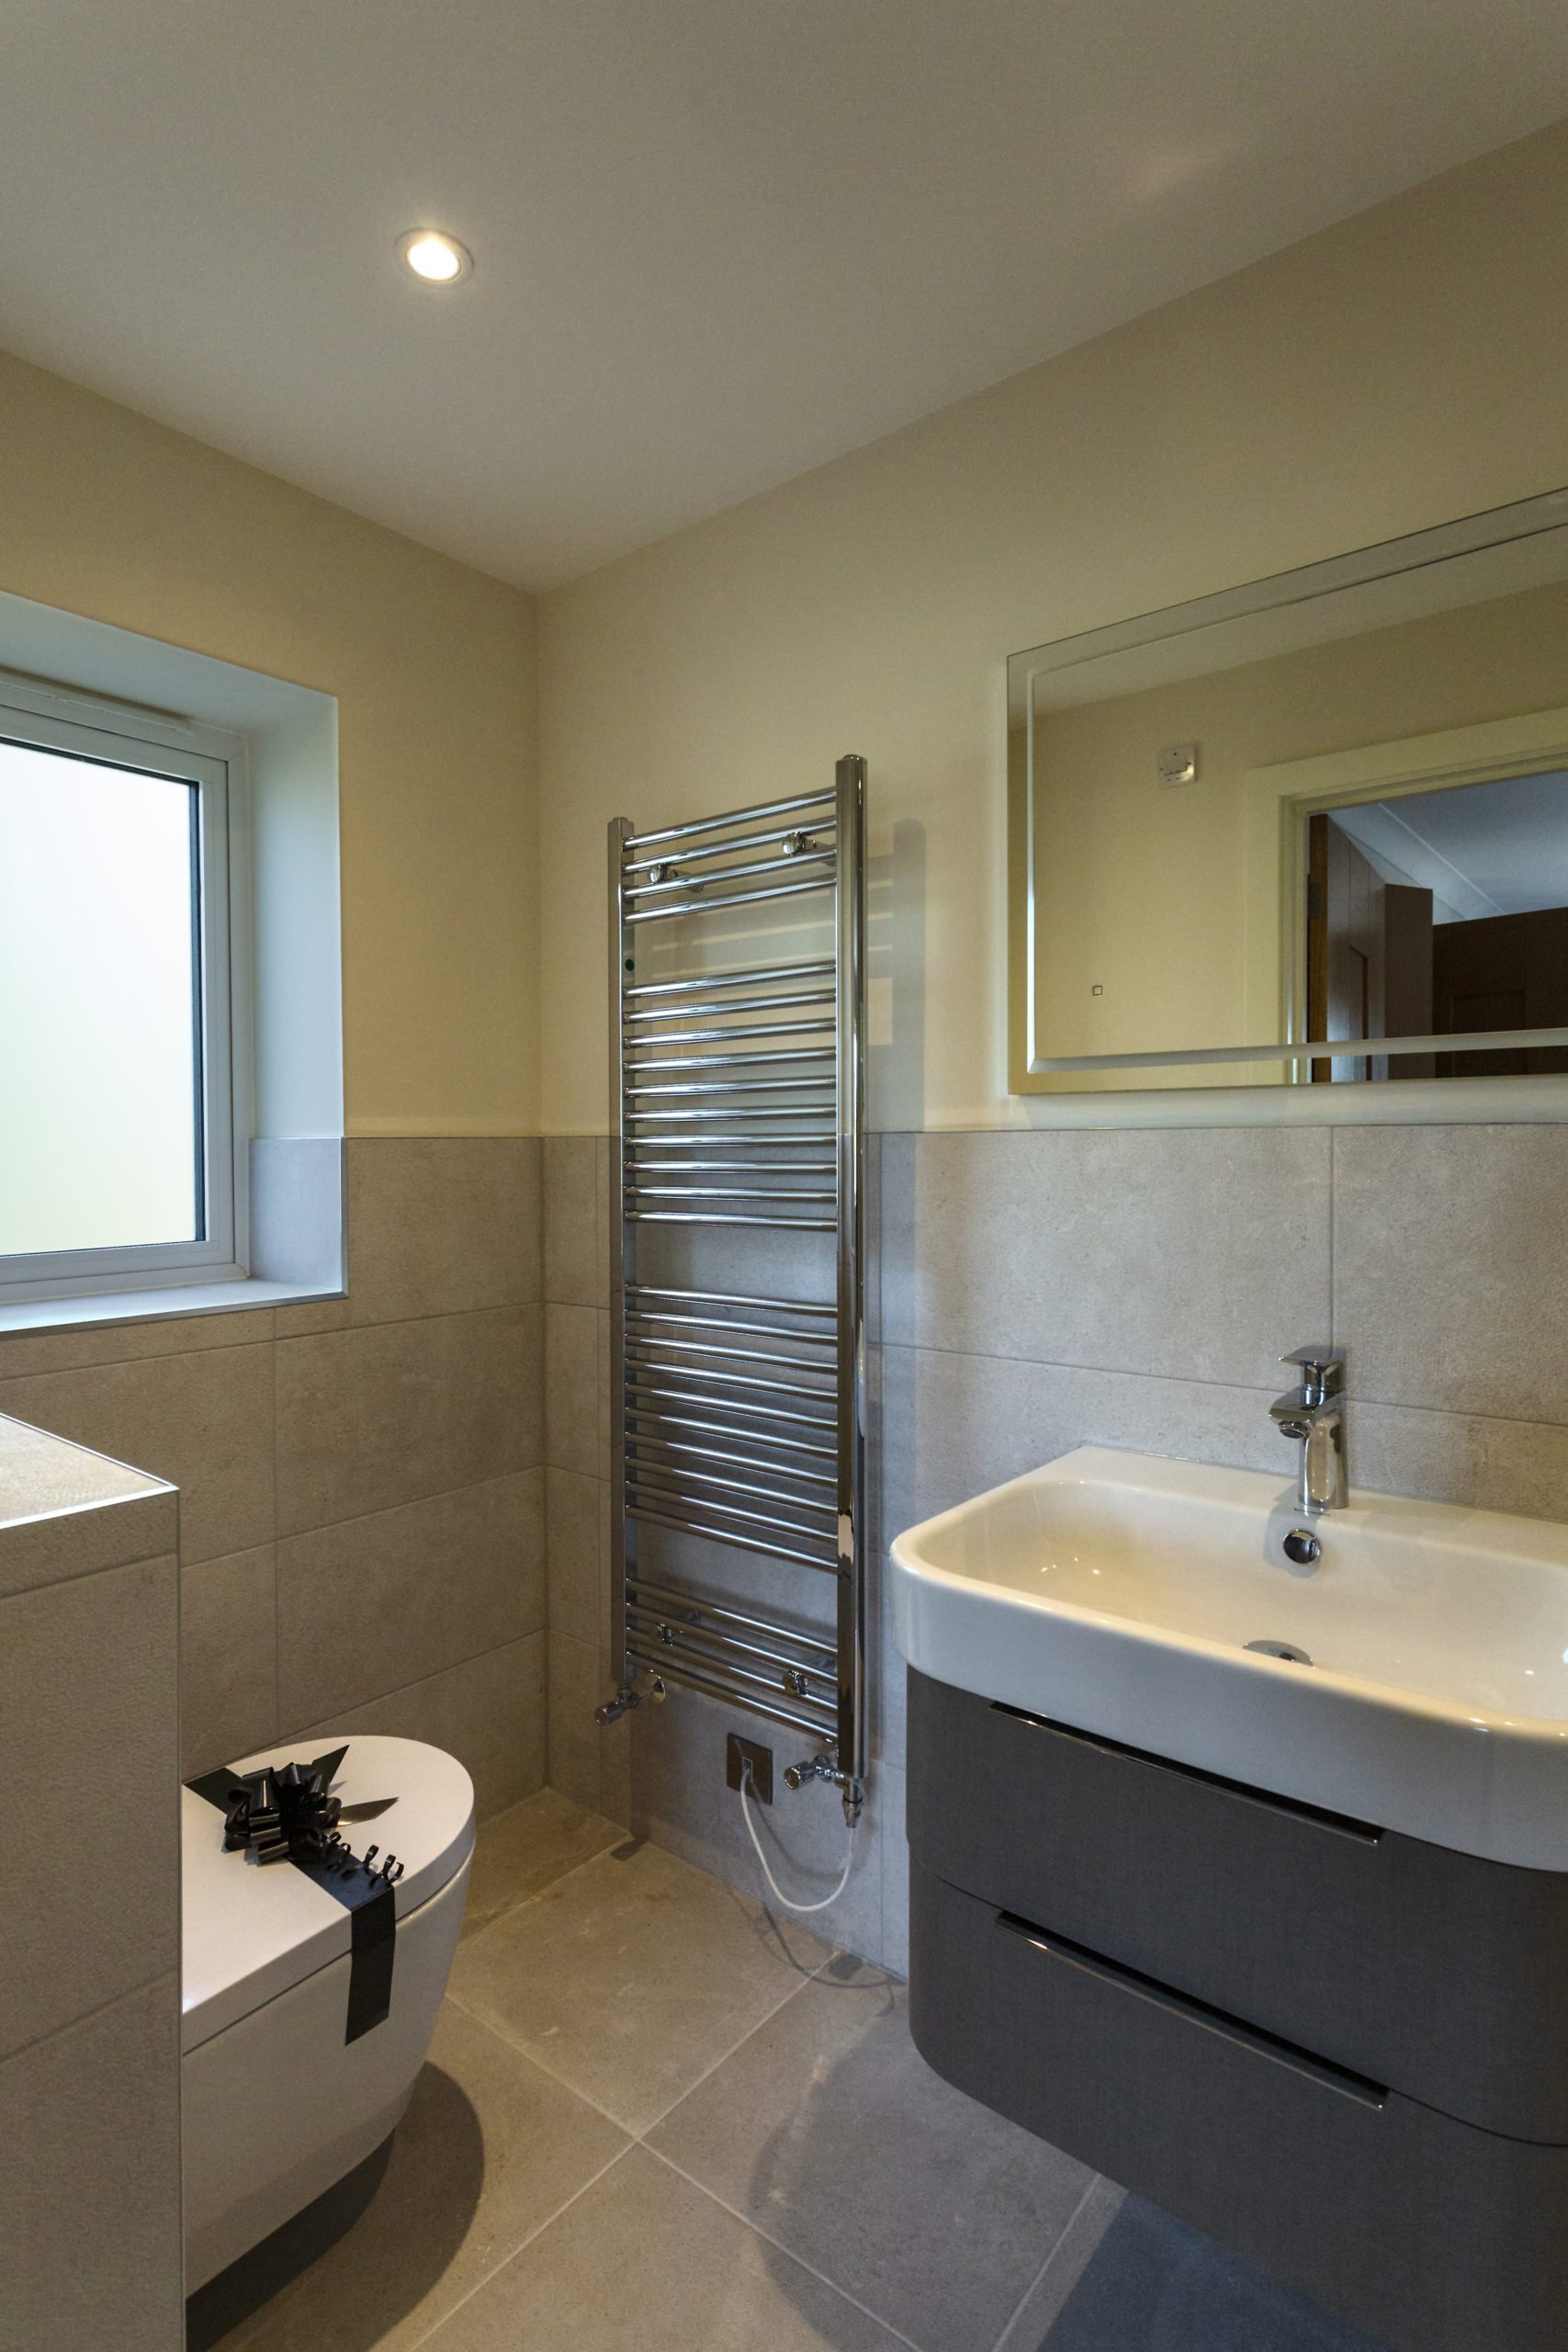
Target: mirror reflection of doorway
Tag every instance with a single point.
(1440, 913)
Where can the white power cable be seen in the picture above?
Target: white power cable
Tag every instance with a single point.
(789, 1903)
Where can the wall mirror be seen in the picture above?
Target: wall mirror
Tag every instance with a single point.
(1307, 834)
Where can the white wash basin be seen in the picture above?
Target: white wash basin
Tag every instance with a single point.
(1116, 1593)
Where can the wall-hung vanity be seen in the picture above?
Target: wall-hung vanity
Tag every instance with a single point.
(1247, 1883)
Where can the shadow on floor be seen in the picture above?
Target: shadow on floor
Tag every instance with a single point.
(390, 2228)
(1155, 2286)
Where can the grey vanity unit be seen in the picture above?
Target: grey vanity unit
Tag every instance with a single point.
(1339, 2050)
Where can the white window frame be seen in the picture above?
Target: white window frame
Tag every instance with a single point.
(214, 763)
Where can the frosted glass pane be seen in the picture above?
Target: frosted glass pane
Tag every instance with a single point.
(98, 1065)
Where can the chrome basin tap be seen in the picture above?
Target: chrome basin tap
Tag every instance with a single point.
(1314, 1415)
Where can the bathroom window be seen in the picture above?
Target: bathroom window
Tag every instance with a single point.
(117, 1153)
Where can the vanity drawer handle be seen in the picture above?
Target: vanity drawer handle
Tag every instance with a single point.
(1364, 1833)
(1199, 2013)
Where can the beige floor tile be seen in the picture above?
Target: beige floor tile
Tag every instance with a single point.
(526, 1849)
(490, 2149)
(829, 2132)
(1065, 2265)
(645, 2259)
(632, 1977)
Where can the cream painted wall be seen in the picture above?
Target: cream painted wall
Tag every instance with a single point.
(1401, 370)
(104, 512)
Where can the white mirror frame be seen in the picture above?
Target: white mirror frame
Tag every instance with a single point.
(1275, 796)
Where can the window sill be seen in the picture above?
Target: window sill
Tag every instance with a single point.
(101, 1307)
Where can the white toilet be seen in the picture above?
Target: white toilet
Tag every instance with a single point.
(278, 2104)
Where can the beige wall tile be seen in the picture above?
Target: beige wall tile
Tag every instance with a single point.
(576, 1229)
(203, 1421)
(576, 1393)
(228, 1658)
(1460, 1458)
(90, 2220)
(441, 1224)
(892, 1789)
(489, 1713)
(576, 1689)
(384, 1415)
(370, 1605)
(957, 1424)
(1451, 1267)
(577, 1525)
(88, 1707)
(1196, 1254)
(95, 1343)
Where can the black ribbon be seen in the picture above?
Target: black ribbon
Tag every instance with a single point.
(287, 1814)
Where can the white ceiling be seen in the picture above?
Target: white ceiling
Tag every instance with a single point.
(718, 241)
(1481, 849)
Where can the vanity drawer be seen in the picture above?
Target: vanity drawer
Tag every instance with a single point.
(1431, 2234)
(1442, 1974)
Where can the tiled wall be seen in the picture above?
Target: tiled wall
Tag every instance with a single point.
(362, 1521)
(1031, 1291)
(89, 1930)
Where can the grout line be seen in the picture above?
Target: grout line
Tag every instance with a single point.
(502, 2033)
(170, 1974)
(410, 1502)
(512, 2252)
(1334, 1172)
(1063, 1364)
(1034, 2287)
(788, 2251)
(734, 2047)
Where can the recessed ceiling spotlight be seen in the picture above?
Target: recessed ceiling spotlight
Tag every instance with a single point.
(440, 260)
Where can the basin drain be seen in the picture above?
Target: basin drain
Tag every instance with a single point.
(1281, 1649)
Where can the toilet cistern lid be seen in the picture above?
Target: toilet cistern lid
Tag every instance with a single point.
(249, 1933)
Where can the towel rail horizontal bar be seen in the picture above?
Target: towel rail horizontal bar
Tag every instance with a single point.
(639, 1168)
(671, 1342)
(770, 1057)
(742, 1035)
(652, 1478)
(729, 898)
(728, 1323)
(692, 1086)
(692, 1626)
(686, 878)
(729, 1118)
(648, 1446)
(732, 1299)
(638, 1190)
(771, 836)
(755, 815)
(742, 976)
(773, 1709)
(702, 1374)
(727, 1535)
(675, 1498)
(794, 1002)
(686, 1643)
(719, 1217)
(674, 1595)
(736, 1407)
(701, 1387)
(661, 1420)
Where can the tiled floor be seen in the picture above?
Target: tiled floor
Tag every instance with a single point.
(656, 2117)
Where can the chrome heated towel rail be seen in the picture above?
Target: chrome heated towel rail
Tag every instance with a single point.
(737, 1414)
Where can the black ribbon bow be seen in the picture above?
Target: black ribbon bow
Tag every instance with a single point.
(286, 1814)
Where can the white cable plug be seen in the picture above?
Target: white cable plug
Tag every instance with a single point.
(780, 1895)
